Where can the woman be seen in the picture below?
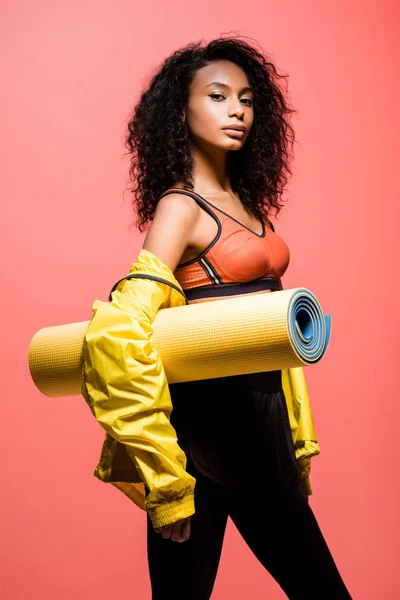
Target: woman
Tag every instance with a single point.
(209, 141)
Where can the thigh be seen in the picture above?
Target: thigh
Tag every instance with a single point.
(207, 423)
(284, 535)
(188, 569)
(264, 445)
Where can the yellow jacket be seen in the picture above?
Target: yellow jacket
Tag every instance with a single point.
(125, 386)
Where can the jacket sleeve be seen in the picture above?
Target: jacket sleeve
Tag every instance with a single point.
(301, 423)
(125, 386)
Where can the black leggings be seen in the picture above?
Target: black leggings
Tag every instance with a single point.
(266, 503)
(282, 533)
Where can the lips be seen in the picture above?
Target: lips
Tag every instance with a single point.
(241, 128)
(235, 133)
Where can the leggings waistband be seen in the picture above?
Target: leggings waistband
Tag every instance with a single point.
(266, 381)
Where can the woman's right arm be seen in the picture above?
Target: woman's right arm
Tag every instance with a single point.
(172, 228)
(123, 378)
(167, 238)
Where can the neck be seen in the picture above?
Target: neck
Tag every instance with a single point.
(211, 169)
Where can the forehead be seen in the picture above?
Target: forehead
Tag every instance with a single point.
(223, 71)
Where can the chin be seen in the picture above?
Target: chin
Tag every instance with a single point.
(231, 144)
(226, 144)
(234, 145)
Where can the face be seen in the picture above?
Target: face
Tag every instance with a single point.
(219, 98)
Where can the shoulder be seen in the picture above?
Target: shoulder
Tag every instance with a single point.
(178, 204)
(170, 230)
(175, 211)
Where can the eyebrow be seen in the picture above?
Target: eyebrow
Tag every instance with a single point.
(227, 87)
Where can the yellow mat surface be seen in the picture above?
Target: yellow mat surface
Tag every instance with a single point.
(245, 334)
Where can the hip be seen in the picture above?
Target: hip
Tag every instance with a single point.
(236, 427)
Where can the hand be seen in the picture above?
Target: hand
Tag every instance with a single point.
(177, 532)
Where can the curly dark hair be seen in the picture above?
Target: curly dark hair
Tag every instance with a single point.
(159, 141)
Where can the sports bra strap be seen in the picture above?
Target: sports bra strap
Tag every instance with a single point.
(203, 204)
(197, 199)
(207, 208)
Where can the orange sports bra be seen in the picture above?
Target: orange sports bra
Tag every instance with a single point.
(236, 254)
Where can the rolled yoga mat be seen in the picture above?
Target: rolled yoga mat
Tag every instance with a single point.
(219, 338)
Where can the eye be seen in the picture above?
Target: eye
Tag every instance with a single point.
(249, 101)
(218, 95)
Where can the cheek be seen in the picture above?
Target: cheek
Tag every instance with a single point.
(205, 119)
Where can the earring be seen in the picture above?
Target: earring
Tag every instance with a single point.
(183, 118)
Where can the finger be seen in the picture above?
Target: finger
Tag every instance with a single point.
(176, 531)
(185, 533)
(157, 529)
(166, 531)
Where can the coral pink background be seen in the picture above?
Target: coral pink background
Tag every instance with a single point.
(71, 72)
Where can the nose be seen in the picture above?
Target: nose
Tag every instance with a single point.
(236, 108)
